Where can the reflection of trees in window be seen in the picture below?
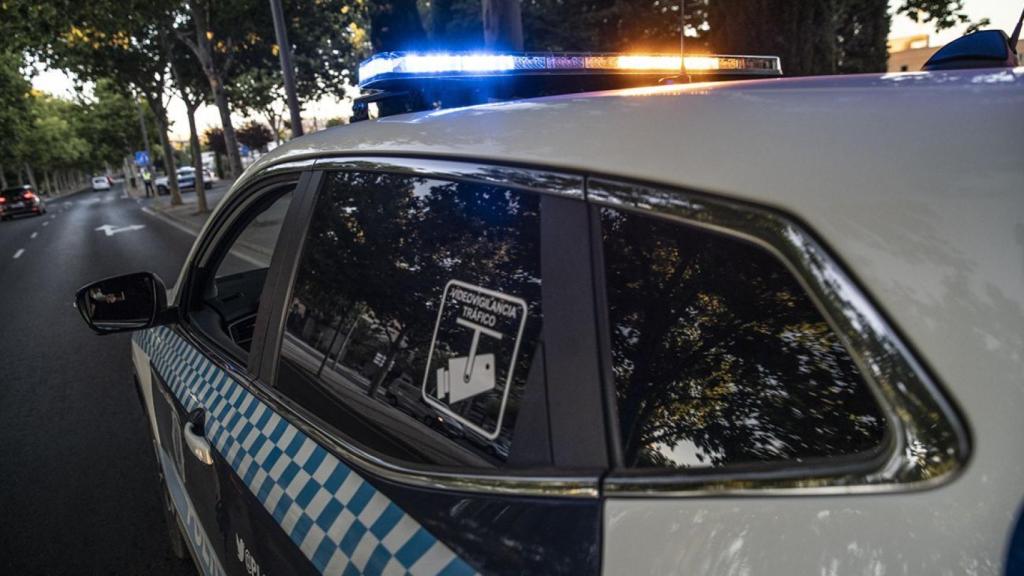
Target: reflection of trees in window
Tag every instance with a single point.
(381, 248)
(720, 357)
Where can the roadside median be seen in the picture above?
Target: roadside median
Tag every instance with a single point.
(186, 216)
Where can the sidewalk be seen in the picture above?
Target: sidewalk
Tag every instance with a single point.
(186, 214)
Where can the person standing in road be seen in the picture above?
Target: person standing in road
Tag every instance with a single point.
(147, 179)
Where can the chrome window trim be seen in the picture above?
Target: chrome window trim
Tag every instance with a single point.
(924, 425)
(512, 177)
(474, 482)
(365, 462)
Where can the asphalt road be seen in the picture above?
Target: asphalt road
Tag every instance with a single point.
(78, 484)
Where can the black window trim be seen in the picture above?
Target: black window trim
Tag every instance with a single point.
(904, 389)
(582, 483)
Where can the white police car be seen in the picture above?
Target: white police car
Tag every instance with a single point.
(759, 327)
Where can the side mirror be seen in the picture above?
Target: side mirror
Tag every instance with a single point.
(985, 49)
(123, 303)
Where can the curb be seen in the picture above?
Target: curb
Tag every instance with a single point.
(179, 223)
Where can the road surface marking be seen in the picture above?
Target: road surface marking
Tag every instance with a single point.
(45, 223)
(34, 234)
(111, 230)
(19, 252)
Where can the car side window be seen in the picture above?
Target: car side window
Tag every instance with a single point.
(719, 356)
(226, 296)
(413, 326)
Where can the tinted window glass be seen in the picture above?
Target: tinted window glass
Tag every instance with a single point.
(720, 357)
(15, 193)
(415, 315)
(230, 296)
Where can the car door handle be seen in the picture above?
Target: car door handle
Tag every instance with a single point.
(197, 444)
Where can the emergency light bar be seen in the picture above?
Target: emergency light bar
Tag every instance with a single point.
(411, 66)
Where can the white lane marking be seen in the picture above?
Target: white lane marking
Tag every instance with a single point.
(34, 234)
(45, 223)
(52, 217)
(19, 252)
(111, 230)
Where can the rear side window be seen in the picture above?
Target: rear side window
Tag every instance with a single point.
(15, 193)
(415, 316)
(719, 356)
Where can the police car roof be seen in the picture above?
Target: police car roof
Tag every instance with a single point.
(790, 142)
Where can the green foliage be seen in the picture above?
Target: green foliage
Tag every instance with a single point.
(596, 25)
(53, 134)
(608, 25)
(14, 104)
(943, 14)
(214, 140)
(109, 124)
(254, 135)
(52, 141)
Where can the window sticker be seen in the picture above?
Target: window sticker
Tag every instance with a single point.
(473, 355)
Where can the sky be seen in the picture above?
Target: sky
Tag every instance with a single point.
(1002, 13)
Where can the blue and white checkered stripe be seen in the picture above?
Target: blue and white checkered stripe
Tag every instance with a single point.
(338, 520)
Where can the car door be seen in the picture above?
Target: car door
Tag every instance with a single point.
(436, 387)
(197, 367)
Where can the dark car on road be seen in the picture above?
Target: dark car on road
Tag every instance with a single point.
(20, 200)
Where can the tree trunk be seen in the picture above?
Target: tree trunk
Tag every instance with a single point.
(3, 178)
(31, 176)
(49, 183)
(197, 158)
(230, 140)
(157, 105)
(503, 25)
(204, 53)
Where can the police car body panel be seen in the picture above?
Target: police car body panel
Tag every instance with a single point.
(912, 181)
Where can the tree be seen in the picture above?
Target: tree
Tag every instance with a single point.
(14, 95)
(944, 14)
(255, 135)
(194, 93)
(51, 145)
(395, 25)
(108, 123)
(106, 39)
(216, 56)
(458, 24)
(802, 33)
(503, 24)
(261, 92)
(820, 36)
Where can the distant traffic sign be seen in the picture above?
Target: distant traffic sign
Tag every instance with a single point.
(141, 158)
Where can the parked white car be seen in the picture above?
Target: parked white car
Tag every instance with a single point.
(186, 180)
